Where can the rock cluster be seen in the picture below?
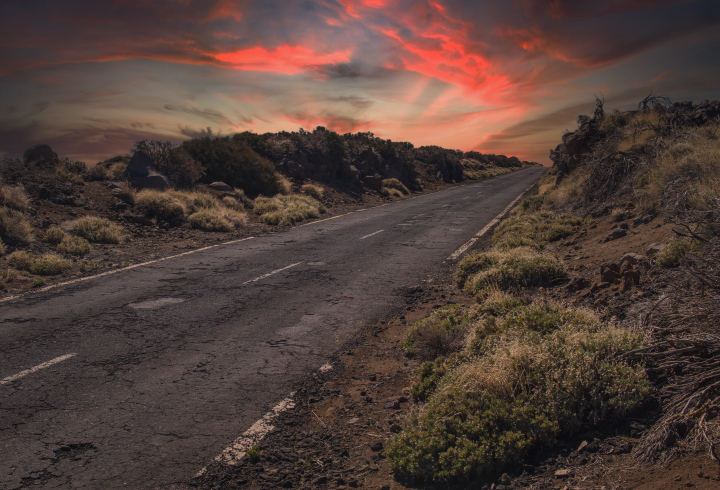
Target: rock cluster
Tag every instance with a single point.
(141, 174)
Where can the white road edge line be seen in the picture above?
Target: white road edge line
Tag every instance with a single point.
(234, 453)
(487, 227)
(270, 274)
(371, 234)
(44, 365)
(115, 271)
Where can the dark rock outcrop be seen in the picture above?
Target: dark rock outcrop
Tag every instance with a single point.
(41, 155)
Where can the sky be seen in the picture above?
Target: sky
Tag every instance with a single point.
(90, 78)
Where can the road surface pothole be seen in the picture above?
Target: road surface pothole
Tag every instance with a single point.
(155, 303)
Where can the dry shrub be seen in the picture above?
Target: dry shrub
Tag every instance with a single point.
(14, 197)
(14, 227)
(95, 229)
(440, 334)
(209, 220)
(42, 265)
(287, 210)
(74, 245)
(3, 248)
(232, 203)
(391, 184)
(534, 230)
(160, 205)
(54, 235)
(515, 270)
(314, 191)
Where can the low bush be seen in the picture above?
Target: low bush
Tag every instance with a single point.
(499, 303)
(515, 270)
(54, 235)
(42, 265)
(431, 373)
(534, 230)
(74, 245)
(388, 192)
(287, 210)
(440, 334)
(14, 197)
(232, 203)
(487, 413)
(3, 248)
(472, 264)
(395, 184)
(672, 255)
(209, 220)
(314, 191)
(95, 229)
(161, 205)
(14, 227)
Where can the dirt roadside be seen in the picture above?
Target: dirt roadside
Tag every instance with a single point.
(335, 435)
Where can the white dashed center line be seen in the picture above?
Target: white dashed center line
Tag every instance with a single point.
(371, 234)
(44, 365)
(270, 274)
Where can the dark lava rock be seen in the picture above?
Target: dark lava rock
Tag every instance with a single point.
(40, 155)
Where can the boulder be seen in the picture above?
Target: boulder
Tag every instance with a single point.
(609, 272)
(220, 186)
(577, 283)
(141, 164)
(654, 249)
(154, 180)
(631, 259)
(40, 155)
(615, 234)
(142, 175)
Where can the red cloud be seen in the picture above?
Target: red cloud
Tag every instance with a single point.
(287, 60)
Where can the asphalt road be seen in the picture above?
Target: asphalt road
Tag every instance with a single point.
(141, 378)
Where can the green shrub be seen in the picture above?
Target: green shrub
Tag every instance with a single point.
(287, 210)
(530, 388)
(95, 229)
(440, 334)
(54, 235)
(395, 184)
(314, 191)
(532, 203)
(231, 161)
(431, 372)
(14, 227)
(161, 205)
(515, 270)
(42, 265)
(209, 220)
(672, 255)
(74, 245)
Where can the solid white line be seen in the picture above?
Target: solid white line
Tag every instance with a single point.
(44, 365)
(270, 273)
(257, 431)
(487, 227)
(371, 234)
(115, 271)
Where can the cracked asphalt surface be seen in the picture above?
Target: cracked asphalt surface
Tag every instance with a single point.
(175, 359)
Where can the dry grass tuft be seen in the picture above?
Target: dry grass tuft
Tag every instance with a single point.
(312, 190)
(14, 227)
(95, 229)
(287, 210)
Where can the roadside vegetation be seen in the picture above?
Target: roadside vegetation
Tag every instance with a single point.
(519, 372)
(287, 210)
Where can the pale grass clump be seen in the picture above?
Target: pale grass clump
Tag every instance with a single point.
(14, 226)
(74, 245)
(312, 190)
(391, 185)
(42, 265)
(217, 218)
(287, 210)
(95, 229)
(231, 203)
(161, 205)
(54, 235)
(14, 197)
(688, 170)
(560, 196)
(194, 201)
